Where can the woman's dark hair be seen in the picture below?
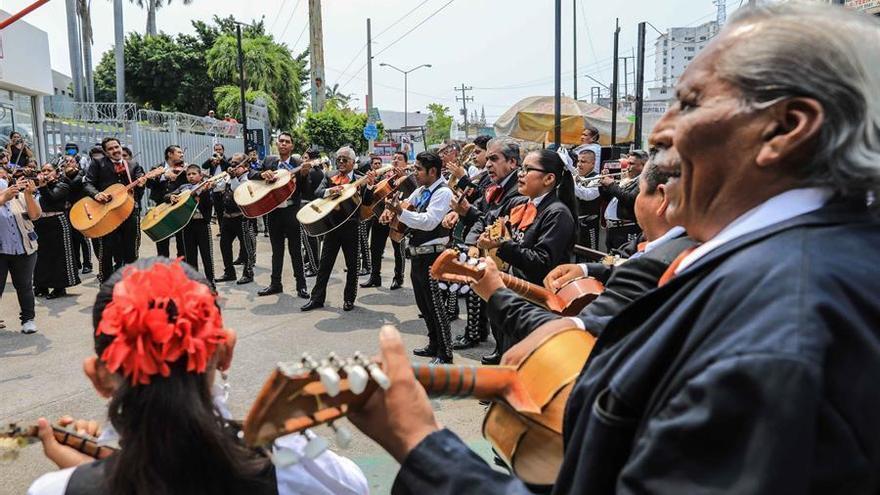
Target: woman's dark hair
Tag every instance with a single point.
(553, 164)
(429, 160)
(173, 439)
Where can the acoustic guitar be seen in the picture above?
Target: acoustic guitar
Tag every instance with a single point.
(524, 423)
(14, 437)
(384, 189)
(95, 219)
(569, 300)
(166, 219)
(255, 198)
(323, 215)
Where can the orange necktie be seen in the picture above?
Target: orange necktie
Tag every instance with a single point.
(523, 215)
(669, 274)
(340, 179)
(640, 247)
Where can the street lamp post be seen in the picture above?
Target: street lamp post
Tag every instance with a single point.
(405, 83)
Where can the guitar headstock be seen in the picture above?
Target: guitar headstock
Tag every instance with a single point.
(13, 437)
(498, 229)
(457, 267)
(309, 392)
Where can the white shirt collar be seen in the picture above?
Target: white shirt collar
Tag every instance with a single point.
(540, 198)
(670, 234)
(435, 184)
(507, 178)
(779, 208)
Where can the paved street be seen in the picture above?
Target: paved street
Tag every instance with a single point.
(40, 375)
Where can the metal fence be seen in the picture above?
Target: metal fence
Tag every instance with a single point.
(146, 132)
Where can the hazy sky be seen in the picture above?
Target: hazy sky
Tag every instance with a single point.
(504, 49)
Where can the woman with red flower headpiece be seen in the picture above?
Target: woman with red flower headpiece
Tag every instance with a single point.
(159, 339)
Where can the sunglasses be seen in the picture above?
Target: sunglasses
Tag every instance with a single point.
(343, 159)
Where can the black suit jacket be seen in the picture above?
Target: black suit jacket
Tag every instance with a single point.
(755, 370)
(161, 186)
(626, 198)
(482, 214)
(204, 199)
(546, 243)
(102, 174)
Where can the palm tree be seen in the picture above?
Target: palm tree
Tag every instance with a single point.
(152, 6)
(85, 21)
(341, 99)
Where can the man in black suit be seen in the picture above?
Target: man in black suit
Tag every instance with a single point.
(620, 216)
(283, 225)
(173, 178)
(344, 237)
(197, 239)
(312, 245)
(112, 169)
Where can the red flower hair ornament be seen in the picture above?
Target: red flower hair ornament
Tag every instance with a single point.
(157, 316)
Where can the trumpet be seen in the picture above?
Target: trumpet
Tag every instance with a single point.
(594, 180)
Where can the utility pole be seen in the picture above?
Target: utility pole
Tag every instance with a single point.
(316, 55)
(557, 100)
(369, 76)
(73, 40)
(640, 84)
(574, 42)
(614, 83)
(119, 50)
(625, 77)
(244, 130)
(464, 99)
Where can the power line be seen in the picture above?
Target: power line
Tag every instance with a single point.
(404, 35)
(292, 12)
(277, 15)
(301, 34)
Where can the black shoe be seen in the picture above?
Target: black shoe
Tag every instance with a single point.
(311, 272)
(362, 272)
(372, 282)
(227, 277)
(303, 293)
(311, 305)
(426, 351)
(441, 360)
(41, 292)
(56, 293)
(245, 279)
(238, 262)
(348, 305)
(494, 358)
(396, 284)
(271, 289)
(87, 270)
(464, 343)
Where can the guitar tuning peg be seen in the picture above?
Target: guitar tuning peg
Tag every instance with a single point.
(357, 377)
(379, 376)
(481, 266)
(316, 446)
(283, 458)
(472, 261)
(330, 379)
(343, 436)
(453, 288)
(462, 256)
(442, 285)
(465, 289)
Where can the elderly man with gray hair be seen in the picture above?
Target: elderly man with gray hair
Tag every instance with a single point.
(344, 237)
(754, 366)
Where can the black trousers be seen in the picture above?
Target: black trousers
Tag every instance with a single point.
(285, 228)
(241, 228)
(431, 304)
(345, 238)
(378, 238)
(197, 242)
(163, 247)
(121, 244)
(21, 267)
(82, 251)
(588, 234)
(477, 328)
(364, 245)
(311, 250)
(618, 236)
(217, 202)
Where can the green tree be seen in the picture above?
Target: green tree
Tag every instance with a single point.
(228, 99)
(335, 127)
(341, 100)
(438, 124)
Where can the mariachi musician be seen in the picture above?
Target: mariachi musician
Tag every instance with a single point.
(174, 177)
(427, 239)
(284, 228)
(344, 237)
(56, 268)
(234, 225)
(74, 175)
(121, 245)
(379, 231)
(589, 201)
(197, 237)
(541, 222)
(312, 245)
(620, 214)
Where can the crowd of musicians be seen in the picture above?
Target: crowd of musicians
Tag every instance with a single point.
(734, 340)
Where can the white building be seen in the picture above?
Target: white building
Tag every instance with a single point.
(673, 52)
(25, 77)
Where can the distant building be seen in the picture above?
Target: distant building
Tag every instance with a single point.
(392, 119)
(25, 77)
(674, 52)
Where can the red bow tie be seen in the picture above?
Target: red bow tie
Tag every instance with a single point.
(493, 194)
(340, 179)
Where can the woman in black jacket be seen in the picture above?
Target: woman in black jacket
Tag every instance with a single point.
(56, 267)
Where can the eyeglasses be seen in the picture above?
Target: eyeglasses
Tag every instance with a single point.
(343, 159)
(525, 170)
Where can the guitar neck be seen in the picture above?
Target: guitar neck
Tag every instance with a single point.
(532, 292)
(493, 383)
(379, 171)
(87, 446)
